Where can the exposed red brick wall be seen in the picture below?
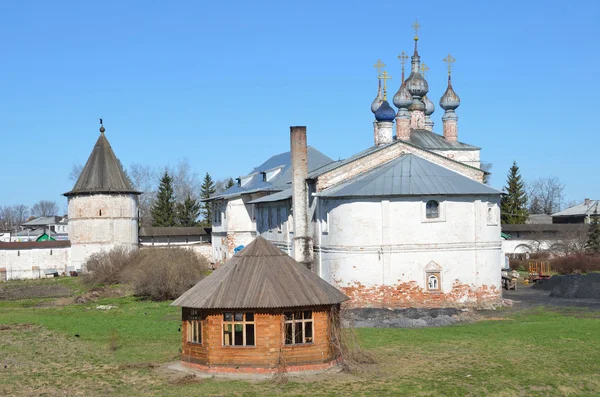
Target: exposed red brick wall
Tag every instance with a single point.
(269, 343)
(409, 294)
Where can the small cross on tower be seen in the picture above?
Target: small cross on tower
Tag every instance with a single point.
(385, 76)
(402, 57)
(378, 66)
(424, 69)
(416, 27)
(449, 60)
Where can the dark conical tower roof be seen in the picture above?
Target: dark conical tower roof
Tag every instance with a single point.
(260, 276)
(102, 172)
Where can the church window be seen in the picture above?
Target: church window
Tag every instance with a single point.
(433, 283)
(194, 327)
(238, 329)
(432, 209)
(298, 327)
(491, 215)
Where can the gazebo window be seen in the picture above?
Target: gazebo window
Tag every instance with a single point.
(298, 327)
(238, 329)
(194, 324)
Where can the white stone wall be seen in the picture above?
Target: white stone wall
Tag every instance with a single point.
(101, 222)
(31, 262)
(390, 242)
(469, 157)
(201, 249)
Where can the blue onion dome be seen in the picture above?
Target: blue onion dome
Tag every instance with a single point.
(402, 99)
(449, 100)
(429, 106)
(416, 84)
(385, 112)
(378, 100)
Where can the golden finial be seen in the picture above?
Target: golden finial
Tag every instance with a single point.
(378, 66)
(385, 76)
(424, 69)
(102, 127)
(402, 57)
(449, 60)
(416, 27)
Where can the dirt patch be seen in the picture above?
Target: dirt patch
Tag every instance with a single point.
(406, 318)
(99, 293)
(33, 291)
(577, 286)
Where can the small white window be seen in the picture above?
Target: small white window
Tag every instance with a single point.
(492, 218)
(433, 282)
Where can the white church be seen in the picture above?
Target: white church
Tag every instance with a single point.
(407, 222)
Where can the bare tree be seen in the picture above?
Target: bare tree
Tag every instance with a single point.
(546, 195)
(75, 172)
(486, 167)
(44, 208)
(186, 183)
(144, 179)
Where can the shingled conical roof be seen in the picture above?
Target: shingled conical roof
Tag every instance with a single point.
(102, 173)
(260, 276)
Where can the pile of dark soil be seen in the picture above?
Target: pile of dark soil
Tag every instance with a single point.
(405, 318)
(578, 286)
(9, 291)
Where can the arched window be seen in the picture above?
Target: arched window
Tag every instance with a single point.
(432, 209)
(433, 283)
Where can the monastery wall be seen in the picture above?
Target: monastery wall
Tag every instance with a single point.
(390, 268)
(31, 259)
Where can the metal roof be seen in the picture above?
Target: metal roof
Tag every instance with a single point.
(408, 175)
(580, 209)
(260, 276)
(431, 141)
(283, 195)
(171, 231)
(43, 221)
(102, 173)
(279, 182)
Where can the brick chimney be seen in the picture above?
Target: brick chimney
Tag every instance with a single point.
(303, 244)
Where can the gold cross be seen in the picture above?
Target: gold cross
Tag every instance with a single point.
(416, 27)
(449, 60)
(378, 66)
(424, 69)
(402, 57)
(385, 76)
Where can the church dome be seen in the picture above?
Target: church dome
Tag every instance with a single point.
(378, 100)
(429, 106)
(449, 100)
(402, 99)
(385, 112)
(416, 84)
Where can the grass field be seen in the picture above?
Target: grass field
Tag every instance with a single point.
(120, 351)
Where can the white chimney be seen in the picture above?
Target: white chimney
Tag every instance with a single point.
(303, 244)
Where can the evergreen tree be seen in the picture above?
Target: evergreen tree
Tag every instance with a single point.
(188, 212)
(163, 211)
(514, 202)
(592, 246)
(207, 190)
(229, 184)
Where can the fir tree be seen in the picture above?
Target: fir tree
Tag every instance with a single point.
(207, 190)
(229, 184)
(188, 212)
(514, 202)
(163, 211)
(592, 246)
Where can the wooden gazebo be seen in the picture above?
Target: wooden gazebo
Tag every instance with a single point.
(260, 312)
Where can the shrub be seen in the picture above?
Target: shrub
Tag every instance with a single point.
(166, 273)
(576, 263)
(517, 264)
(107, 267)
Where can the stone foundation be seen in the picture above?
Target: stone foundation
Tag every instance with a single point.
(409, 294)
(261, 370)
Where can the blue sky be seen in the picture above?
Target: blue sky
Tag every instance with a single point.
(219, 83)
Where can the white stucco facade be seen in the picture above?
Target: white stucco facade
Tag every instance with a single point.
(33, 260)
(100, 222)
